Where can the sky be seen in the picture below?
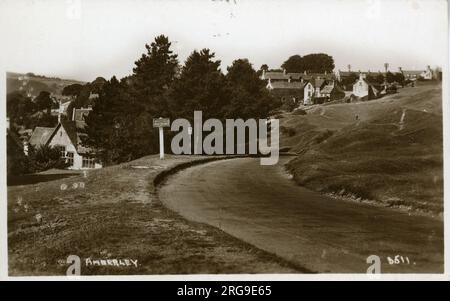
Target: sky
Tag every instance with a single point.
(84, 39)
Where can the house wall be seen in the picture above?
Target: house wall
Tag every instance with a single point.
(427, 74)
(61, 138)
(360, 88)
(308, 93)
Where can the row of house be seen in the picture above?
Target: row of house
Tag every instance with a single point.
(303, 88)
(427, 74)
(313, 88)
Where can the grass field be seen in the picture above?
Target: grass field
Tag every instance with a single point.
(115, 214)
(387, 150)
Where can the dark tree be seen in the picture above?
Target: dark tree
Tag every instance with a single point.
(44, 101)
(264, 67)
(399, 78)
(72, 90)
(108, 124)
(390, 78)
(318, 63)
(248, 96)
(97, 84)
(120, 125)
(19, 107)
(294, 64)
(348, 81)
(201, 87)
(153, 75)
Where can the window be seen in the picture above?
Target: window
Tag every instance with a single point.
(62, 150)
(88, 162)
(69, 158)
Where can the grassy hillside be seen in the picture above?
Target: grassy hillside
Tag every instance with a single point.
(35, 84)
(387, 150)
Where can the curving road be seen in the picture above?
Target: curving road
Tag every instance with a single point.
(260, 205)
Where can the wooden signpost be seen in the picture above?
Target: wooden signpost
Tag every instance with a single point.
(161, 123)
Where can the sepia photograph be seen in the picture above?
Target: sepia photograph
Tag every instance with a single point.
(224, 138)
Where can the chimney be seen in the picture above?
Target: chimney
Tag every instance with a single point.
(400, 69)
(284, 71)
(263, 74)
(73, 114)
(60, 109)
(301, 80)
(360, 75)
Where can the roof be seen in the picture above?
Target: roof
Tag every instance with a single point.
(327, 76)
(366, 73)
(327, 89)
(73, 133)
(413, 72)
(41, 135)
(275, 75)
(318, 82)
(287, 85)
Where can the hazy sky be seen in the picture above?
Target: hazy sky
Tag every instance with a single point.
(83, 39)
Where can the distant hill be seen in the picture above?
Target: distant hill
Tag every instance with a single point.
(387, 150)
(32, 84)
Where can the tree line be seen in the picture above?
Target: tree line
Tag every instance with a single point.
(120, 125)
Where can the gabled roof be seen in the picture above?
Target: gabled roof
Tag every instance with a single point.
(72, 132)
(327, 76)
(41, 135)
(366, 73)
(327, 89)
(276, 75)
(413, 72)
(319, 82)
(287, 85)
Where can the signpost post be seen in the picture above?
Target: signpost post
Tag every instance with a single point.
(161, 123)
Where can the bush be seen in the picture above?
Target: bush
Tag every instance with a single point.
(46, 157)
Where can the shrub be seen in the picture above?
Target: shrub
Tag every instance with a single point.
(46, 157)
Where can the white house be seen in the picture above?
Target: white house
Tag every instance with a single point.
(308, 94)
(66, 136)
(426, 74)
(362, 88)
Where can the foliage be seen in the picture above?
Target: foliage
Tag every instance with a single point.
(294, 64)
(348, 81)
(45, 157)
(44, 102)
(22, 111)
(312, 63)
(72, 90)
(390, 77)
(120, 125)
